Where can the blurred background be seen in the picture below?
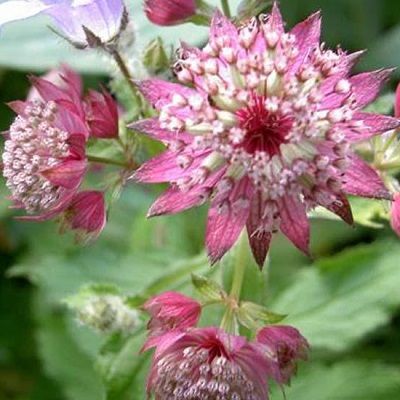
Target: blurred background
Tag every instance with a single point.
(346, 300)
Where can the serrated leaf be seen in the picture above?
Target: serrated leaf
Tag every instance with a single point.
(346, 297)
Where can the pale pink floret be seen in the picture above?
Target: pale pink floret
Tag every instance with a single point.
(264, 132)
(395, 214)
(171, 311)
(169, 12)
(209, 364)
(284, 346)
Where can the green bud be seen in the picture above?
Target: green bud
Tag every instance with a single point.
(155, 58)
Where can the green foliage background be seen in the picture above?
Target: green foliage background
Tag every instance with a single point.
(346, 301)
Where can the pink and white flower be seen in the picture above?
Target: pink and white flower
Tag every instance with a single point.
(44, 158)
(284, 345)
(207, 363)
(169, 12)
(264, 131)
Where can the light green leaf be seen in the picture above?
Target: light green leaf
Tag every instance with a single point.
(346, 380)
(347, 297)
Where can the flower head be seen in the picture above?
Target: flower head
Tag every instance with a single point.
(207, 363)
(169, 12)
(171, 311)
(264, 132)
(284, 345)
(85, 23)
(44, 157)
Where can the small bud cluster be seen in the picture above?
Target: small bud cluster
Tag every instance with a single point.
(35, 144)
(108, 314)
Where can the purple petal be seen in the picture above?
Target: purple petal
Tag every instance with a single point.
(370, 125)
(360, 179)
(275, 21)
(308, 35)
(294, 222)
(68, 174)
(11, 11)
(222, 26)
(259, 240)
(226, 220)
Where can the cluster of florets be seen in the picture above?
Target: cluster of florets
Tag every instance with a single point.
(264, 132)
(44, 160)
(208, 363)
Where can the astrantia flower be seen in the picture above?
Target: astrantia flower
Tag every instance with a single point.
(264, 132)
(169, 12)
(207, 363)
(284, 346)
(170, 311)
(44, 157)
(86, 23)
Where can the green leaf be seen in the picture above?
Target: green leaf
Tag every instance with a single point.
(383, 105)
(118, 363)
(346, 298)
(346, 380)
(209, 289)
(63, 360)
(253, 315)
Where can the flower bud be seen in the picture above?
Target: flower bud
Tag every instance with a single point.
(108, 314)
(102, 115)
(155, 58)
(169, 12)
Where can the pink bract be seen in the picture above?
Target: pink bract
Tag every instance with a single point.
(397, 102)
(264, 132)
(169, 12)
(171, 311)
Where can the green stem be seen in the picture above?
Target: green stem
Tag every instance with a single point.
(229, 323)
(124, 70)
(225, 8)
(101, 160)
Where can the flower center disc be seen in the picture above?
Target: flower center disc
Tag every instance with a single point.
(265, 130)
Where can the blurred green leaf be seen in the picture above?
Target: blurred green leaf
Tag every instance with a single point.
(346, 380)
(346, 297)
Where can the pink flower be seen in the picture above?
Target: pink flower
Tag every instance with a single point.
(207, 363)
(395, 214)
(44, 156)
(397, 102)
(169, 12)
(102, 115)
(264, 132)
(86, 213)
(284, 345)
(171, 311)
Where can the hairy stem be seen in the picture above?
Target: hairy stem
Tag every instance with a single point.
(124, 69)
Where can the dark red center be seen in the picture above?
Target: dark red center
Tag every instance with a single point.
(266, 131)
